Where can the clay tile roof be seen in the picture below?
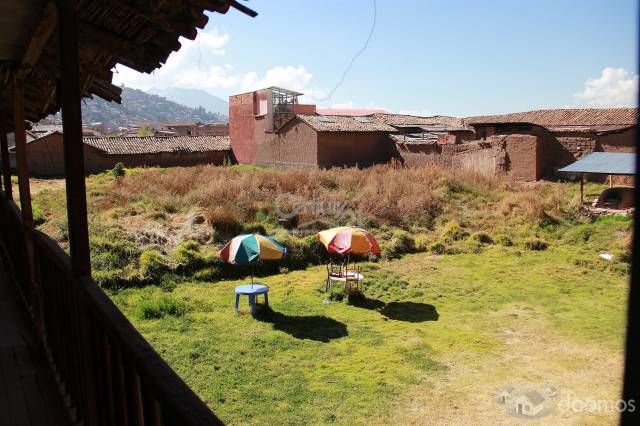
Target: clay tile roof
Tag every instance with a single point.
(354, 112)
(151, 144)
(564, 117)
(404, 119)
(339, 123)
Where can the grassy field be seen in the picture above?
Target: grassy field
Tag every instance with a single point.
(433, 343)
(482, 284)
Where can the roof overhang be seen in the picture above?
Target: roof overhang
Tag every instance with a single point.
(605, 163)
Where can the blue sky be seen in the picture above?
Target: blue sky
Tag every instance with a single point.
(425, 57)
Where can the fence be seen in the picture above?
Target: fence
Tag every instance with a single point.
(110, 373)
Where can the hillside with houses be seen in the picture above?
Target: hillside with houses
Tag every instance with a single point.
(141, 107)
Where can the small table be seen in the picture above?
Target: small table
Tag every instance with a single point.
(252, 291)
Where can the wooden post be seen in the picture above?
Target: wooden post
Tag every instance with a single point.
(21, 154)
(22, 170)
(581, 189)
(610, 181)
(72, 136)
(70, 96)
(6, 166)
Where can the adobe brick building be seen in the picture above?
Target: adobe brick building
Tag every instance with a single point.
(566, 135)
(45, 155)
(270, 128)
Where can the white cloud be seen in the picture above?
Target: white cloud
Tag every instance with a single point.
(191, 66)
(614, 88)
(197, 66)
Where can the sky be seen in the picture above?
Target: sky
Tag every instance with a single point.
(429, 57)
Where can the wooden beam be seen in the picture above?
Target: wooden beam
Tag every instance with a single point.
(24, 190)
(6, 167)
(70, 96)
(72, 135)
(21, 153)
(41, 36)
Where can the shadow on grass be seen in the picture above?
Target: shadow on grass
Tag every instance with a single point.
(410, 311)
(400, 311)
(314, 327)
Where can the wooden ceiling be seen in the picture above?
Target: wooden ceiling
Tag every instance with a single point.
(140, 34)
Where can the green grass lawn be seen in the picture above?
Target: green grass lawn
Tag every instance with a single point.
(435, 340)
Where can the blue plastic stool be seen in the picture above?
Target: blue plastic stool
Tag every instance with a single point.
(252, 291)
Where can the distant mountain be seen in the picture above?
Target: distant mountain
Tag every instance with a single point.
(194, 98)
(141, 107)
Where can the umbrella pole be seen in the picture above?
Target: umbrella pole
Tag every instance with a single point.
(252, 275)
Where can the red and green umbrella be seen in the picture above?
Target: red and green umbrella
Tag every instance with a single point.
(249, 249)
(349, 240)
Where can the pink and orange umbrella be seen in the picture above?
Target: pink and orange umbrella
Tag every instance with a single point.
(346, 240)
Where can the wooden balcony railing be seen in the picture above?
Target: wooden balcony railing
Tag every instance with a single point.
(110, 373)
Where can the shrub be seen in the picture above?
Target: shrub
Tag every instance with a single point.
(454, 232)
(153, 265)
(529, 206)
(38, 215)
(504, 240)
(481, 238)
(118, 171)
(437, 248)
(254, 228)
(535, 244)
(224, 220)
(400, 243)
(422, 243)
(188, 257)
(161, 307)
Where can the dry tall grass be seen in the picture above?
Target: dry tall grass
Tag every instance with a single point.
(384, 195)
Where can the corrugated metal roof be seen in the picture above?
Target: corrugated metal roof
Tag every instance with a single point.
(608, 163)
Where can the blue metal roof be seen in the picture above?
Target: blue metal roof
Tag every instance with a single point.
(608, 163)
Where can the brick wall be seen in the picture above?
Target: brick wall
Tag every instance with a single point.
(295, 145)
(524, 157)
(45, 157)
(242, 127)
(623, 141)
(518, 156)
(336, 149)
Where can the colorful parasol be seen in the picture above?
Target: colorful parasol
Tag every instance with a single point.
(249, 249)
(349, 240)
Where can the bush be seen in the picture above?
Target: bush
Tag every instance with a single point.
(118, 171)
(535, 244)
(422, 243)
(188, 257)
(161, 307)
(153, 265)
(481, 238)
(224, 220)
(400, 243)
(453, 232)
(504, 240)
(437, 248)
(38, 215)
